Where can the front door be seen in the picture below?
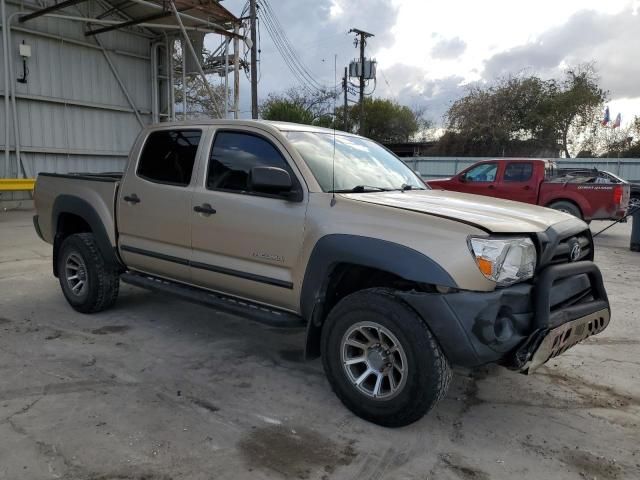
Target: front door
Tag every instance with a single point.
(247, 243)
(154, 204)
(480, 179)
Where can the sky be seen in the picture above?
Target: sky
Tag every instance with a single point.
(428, 52)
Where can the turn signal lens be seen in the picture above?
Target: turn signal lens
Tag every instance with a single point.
(486, 266)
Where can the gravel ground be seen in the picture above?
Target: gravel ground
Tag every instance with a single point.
(159, 389)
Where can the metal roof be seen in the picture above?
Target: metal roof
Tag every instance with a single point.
(153, 15)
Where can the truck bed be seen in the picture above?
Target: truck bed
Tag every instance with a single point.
(76, 191)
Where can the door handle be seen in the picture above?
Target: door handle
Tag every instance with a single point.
(527, 187)
(133, 198)
(491, 187)
(205, 209)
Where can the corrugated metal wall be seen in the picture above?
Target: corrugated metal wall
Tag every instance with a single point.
(72, 113)
(438, 167)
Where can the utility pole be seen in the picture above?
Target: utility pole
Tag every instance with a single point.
(254, 59)
(363, 41)
(236, 71)
(345, 83)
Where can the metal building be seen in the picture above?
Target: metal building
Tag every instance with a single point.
(80, 78)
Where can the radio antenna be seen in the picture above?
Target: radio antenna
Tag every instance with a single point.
(335, 118)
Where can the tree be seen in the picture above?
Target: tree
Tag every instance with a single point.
(524, 115)
(619, 142)
(300, 106)
(385, 121)
(571, 104)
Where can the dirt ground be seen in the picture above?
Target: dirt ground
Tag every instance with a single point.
(159, 389)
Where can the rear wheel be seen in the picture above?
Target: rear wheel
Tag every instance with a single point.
(88, 283)
(381, 359)
(634, 202)
(566, 207)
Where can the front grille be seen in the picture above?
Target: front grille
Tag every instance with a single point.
(562, 253)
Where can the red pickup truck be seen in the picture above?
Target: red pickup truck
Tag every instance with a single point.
(536, 181)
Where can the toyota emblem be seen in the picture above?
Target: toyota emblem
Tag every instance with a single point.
(575, 252)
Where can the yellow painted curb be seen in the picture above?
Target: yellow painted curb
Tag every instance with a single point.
(16, 184)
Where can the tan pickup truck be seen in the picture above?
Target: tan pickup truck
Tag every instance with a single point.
(295, 226)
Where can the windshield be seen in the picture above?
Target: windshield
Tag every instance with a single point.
(360, 165)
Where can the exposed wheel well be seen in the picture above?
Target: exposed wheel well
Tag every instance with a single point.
(68, 224)
(344, 280)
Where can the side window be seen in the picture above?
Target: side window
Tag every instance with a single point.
(168, 156)
(518, 172)
(482, 173)
(234, 154)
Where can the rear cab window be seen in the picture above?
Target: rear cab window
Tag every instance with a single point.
(168, 156)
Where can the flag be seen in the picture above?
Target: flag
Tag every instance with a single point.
(606, 118)
(617, 121)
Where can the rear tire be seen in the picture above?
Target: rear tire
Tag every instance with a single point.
(88, 283)
(395, 343)
(566, 207)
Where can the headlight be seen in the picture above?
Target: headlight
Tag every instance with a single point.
(504, 260)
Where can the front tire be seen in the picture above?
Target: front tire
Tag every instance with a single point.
(381, 360)
(88, 283)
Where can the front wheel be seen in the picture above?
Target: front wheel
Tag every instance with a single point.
(88, 283)
(381, 359)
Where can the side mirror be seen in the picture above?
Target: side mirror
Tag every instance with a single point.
(463, 178)
(270, 180)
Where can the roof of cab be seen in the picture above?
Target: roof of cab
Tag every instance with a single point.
(281, 126)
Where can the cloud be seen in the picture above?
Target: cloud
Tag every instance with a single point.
(317, 31)
(611, 41)
(448, 48)
(409, 85)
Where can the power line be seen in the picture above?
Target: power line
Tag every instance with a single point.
(301, 74)
(284, 40)
(287, 52)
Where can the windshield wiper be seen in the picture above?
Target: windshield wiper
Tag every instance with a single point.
(361, 189)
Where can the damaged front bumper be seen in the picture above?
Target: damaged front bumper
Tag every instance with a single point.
(521, 326)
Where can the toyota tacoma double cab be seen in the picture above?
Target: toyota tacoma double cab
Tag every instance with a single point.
(298, 226)
(539, 182)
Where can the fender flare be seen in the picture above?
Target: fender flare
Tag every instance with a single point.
(83, 209)
(334, 249)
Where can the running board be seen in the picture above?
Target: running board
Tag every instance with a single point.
(225, 303)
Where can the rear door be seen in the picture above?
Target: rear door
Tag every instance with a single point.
(154, 204)
(517, 182)
(252, 243)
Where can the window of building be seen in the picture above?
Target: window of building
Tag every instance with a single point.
(168, 156)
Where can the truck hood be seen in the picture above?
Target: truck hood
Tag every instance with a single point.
(488, 213)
